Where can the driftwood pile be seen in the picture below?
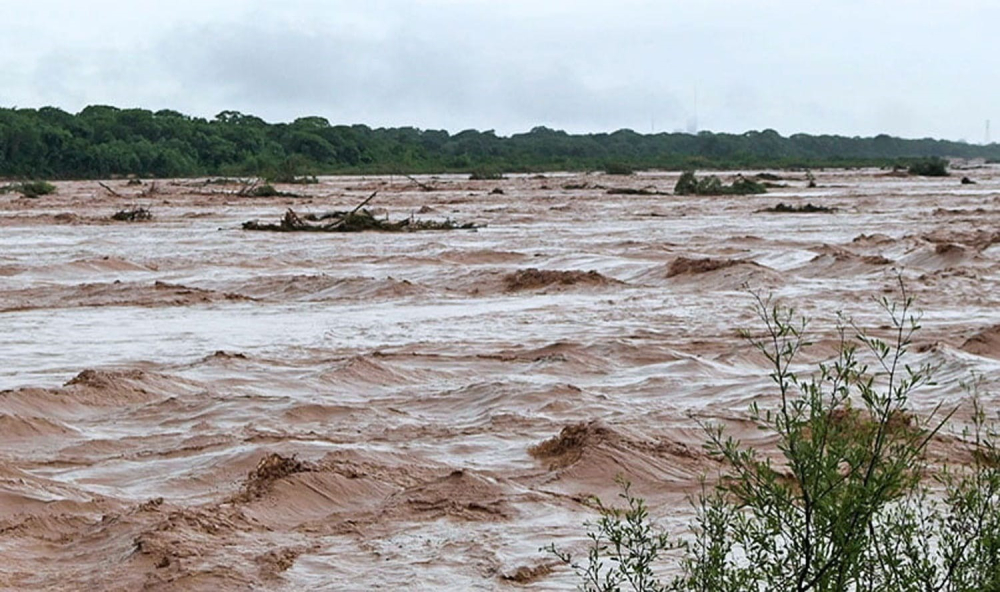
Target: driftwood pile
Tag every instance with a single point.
(808, 208)
(357, 220)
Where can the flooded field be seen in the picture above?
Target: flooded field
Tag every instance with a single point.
(154, 369)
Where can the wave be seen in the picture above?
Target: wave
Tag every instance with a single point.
(985, 342)
(837, 262)
(112, 294)
(711, 273)
(319, 288)
(595, 453)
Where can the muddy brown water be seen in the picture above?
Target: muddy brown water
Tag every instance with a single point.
(153, 369)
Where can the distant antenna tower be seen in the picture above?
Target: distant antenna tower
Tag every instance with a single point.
(987, 131)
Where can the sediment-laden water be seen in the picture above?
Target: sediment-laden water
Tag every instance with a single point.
(441, 403)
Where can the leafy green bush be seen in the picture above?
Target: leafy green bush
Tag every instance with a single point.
(744, 186)
(30, 189)
(929, 167)
(710, 185)
(847, 506)
(690, 184)
(626, 537)
(687, 184)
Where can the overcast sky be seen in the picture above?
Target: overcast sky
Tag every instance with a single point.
(852, 67)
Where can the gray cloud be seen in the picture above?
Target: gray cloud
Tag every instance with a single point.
(850, 67)
(427, 77)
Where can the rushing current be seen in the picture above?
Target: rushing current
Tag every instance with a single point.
(193, 406)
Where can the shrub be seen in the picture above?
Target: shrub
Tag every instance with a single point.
(808, 524)
(744, 186)
(949, 543)
(929, 167)
(847, 505)
(255, 188)
(627, 539)
(710, 185)
(30, 189)
(486, 174)
(689, 184)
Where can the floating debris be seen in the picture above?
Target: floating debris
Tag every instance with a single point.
(136, 214)
(783, 208)
(357, 220)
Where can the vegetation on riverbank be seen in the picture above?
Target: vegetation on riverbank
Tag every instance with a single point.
(103, 141)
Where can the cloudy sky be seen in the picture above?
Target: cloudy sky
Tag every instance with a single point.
(852, 67)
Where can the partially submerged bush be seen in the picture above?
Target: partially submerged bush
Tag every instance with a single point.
(744, 186)
(486, 174)
(845, 507)
(134, 214)
(30, 189)
(687, 184)
(264, 190)
(690, 184)
(618, 168)
(929, 167)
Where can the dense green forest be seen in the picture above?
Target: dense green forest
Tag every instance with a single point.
(103, 141)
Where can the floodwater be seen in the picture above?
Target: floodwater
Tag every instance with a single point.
(406, 380)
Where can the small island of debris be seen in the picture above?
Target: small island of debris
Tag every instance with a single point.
(357, 220)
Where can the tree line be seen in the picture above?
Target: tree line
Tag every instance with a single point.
(103, 141)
